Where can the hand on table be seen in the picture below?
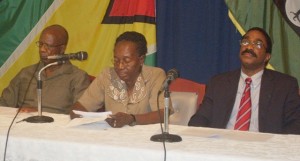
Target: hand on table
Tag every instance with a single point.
(74, 115)
(28, 109)
(120, 119)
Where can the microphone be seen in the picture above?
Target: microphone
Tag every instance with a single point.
(171, 75)
(40, 118)
(165, 136)
(81, 55)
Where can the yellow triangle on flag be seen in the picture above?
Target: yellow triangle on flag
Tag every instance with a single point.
(82, 19)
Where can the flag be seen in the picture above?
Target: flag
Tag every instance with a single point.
(265, 14)
(87, 23)
(137, 15)
(19, 21)
(290, 10)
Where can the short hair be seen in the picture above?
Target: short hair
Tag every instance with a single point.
(135, 37)
(60, 33)
(266, 35)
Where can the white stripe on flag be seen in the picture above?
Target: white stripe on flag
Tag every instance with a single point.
(151, 49)
(30, 37)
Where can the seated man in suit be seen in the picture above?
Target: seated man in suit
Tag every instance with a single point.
(63, 84)
(267, 102)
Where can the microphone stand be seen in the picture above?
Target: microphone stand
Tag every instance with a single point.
(165, 136)
(40, 118)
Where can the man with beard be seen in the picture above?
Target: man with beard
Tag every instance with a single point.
(63, 84)
(252, 98)
(129, 89)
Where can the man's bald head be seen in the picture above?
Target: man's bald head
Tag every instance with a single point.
(60, 33)
(53, 41)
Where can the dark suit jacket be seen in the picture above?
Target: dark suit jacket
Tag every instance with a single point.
(279, 102)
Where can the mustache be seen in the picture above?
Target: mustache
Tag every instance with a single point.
(249, 51)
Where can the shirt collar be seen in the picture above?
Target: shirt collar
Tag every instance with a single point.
(118, 90)
(256, 78)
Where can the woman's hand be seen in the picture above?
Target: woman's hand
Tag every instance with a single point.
(120, 119)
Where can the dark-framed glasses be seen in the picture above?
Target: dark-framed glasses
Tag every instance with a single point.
(47, 46)
(124, 61)
(257, 44)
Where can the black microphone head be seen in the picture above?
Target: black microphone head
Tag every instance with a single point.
(81, 55)
(171, 75)
(174, 73)
(59, 62)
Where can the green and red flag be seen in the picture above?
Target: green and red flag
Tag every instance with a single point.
(93, 26)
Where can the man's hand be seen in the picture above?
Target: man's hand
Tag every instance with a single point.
(74, 115)
(28, 109)
(120, 119)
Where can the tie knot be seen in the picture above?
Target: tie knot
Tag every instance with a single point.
(248, 81)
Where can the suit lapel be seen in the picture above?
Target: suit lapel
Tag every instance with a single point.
(233, 81)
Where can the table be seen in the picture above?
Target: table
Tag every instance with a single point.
(56, 142)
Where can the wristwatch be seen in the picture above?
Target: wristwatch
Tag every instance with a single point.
(133, 123)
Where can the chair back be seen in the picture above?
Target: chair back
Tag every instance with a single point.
(91, 78)
(185, 85)
(184, 105)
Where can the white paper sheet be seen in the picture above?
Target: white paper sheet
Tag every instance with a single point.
(92, 114)
(95, 118)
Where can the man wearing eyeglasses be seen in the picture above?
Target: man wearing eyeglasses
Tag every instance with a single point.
(62, 84)
(252, 98)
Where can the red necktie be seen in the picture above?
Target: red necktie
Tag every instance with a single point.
(244, 114)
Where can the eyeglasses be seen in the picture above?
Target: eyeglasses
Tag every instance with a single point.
(257, 44)
(125, 61)
(47, 46)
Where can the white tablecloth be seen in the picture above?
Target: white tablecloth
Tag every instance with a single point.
(56, 142)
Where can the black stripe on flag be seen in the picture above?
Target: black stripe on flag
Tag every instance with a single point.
(290, 10)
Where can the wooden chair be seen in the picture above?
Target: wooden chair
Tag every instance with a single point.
(185, 85)
(184, 106)
(91, 78)
(186, 96)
